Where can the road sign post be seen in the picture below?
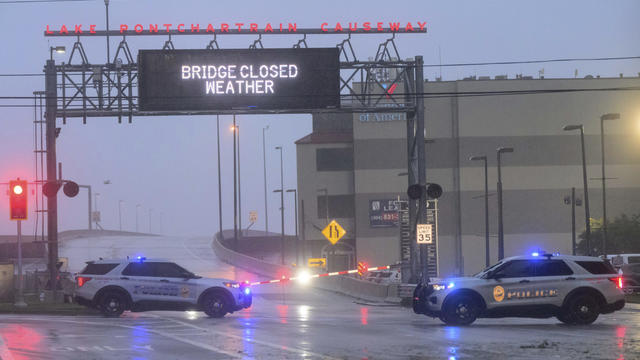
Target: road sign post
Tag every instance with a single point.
(20, 298)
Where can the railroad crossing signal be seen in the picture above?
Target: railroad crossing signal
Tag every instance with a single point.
(423, 234)
(18, 199)
(317, 262)
(362, 268)
(333, 232)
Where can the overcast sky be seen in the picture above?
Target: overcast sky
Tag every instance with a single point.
(169, 163)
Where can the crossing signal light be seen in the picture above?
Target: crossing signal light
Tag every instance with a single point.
(362, 268)
(433, 191)
(18, 199)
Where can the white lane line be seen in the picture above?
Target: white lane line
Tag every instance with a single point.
(5, 354)
(264, 343)
(161, 333)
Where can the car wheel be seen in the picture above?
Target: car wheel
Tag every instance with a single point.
(461, 310)
(564, 317)
(215, 305)
(583, 309)
(112, 303)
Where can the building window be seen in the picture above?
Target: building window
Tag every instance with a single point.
(340, 206)
(336, 159)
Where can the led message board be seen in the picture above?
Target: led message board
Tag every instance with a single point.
(239, 79)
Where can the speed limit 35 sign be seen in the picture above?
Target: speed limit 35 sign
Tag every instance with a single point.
(423, 234)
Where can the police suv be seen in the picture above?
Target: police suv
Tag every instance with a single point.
(575, 289)
(113, 286)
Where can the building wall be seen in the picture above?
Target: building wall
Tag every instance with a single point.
(536, 177)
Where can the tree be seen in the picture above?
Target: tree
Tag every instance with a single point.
(623, 236)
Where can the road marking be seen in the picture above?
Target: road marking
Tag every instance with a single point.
(259, 342)
(5, 354)
(161, 333)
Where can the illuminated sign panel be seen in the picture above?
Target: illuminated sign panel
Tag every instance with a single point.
(239, 79)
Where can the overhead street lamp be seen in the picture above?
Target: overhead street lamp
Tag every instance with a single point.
(281, 203)
(611, 116)
(587, 211)
(500, 151)
(57, 49)
(487, 256)
(295, 202)
(264, 165)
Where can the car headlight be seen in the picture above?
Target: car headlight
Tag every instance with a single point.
(232, 284)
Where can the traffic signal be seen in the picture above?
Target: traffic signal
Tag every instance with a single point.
(432, 190)
(362, 268)
(18, 199)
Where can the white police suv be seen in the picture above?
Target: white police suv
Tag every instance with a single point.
(138, 284)
(575, 289)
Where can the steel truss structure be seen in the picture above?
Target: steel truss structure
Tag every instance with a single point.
(80, 89)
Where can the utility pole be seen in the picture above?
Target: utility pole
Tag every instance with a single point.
(237, 129)
(281, 204)
(235, 189)
(500, 151)
(219, 179)
(51, 85)
(422, 173)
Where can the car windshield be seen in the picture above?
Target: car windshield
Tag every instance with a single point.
(483, 274)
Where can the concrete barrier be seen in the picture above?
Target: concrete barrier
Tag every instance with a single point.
(359, 289)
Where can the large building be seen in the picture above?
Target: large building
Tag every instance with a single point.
(351, 167)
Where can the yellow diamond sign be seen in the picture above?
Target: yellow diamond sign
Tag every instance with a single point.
(333, 232)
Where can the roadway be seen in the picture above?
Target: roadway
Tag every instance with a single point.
(293, 322)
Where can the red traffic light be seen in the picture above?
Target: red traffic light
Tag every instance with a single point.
(18, 200)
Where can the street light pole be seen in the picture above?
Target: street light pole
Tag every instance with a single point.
(88, 187)
(235, 189)
(295, 204)
(120, 213)
(587, 214)
(239, 183)
(137, 207)
(500, 151)
(487, 254)
(219, 178)
(281, 203)
(264, 164)
(604, 117)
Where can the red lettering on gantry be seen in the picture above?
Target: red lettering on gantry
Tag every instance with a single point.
(268, 28)
(78, 29)
(239, 25)
(379, 26)
(64, 30)
(195, 28)
(224, 27)
(180, 27)
(293, 27)
(354, 28)
(338, 27)
(167, 26)
(409, 27)
(366, 26)
(422, 25)
(47, 31)
(394, 26)
(138, 28)
(153, 28)
(253, 27)
(210, 28)
(92, 29)
(322, 27)
(123, 28)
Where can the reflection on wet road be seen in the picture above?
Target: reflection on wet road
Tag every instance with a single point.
(294, 322)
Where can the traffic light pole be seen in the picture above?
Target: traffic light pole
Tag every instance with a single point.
(52, 201)
(20, 298)
(422, 173)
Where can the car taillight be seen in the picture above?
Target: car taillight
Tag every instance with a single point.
(81, 280)
(617, 281)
